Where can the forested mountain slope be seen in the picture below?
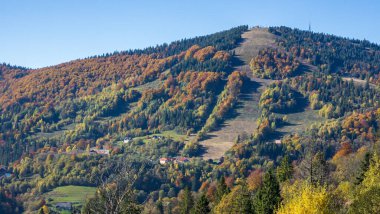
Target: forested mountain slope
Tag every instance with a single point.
(273, 108)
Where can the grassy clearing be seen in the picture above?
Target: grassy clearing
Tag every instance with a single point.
(74, 194)
(173, 135)
(255, 40)
(300, 121)
(247, 112)
(167, 134)
(58, 133)
(358, 81)
(156, 84)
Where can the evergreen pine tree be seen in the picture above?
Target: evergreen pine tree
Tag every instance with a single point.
(363, 169)
(202, 205)
(221, 189)
(285, 170)
(268, 195)
(245, 200)
(187, 201)
(160, 207)
(319, 170)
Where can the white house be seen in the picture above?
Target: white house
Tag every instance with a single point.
(164, 161)
(127, 139)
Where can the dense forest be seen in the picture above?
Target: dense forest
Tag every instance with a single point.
(273, 64)
(132, 124)
(332, 54)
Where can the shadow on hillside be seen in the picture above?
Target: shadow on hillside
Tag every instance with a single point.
(308, 68)
(202, 151)
(209, 136)
(302, 68)
(249, 87)
(276, 135)
(237, 62)
(302, 104)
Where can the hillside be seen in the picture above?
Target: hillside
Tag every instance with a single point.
(246, 111)
(227, 116)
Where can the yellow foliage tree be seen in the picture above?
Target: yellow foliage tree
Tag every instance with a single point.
(237, 201)
(304, 198)
(372, 176)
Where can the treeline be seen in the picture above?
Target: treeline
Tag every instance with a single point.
(8, 72)
(223, 40)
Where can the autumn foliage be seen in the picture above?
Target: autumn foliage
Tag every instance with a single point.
(274, 64)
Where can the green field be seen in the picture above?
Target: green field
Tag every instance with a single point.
(167, 134)
(74, 194)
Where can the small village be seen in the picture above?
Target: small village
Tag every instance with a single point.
(107, 150)
(167, 160)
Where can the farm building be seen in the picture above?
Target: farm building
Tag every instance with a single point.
(94, 150)
(181, 160)
(164, 161)
(64, 205)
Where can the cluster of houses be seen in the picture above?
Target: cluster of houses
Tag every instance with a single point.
(167, 160)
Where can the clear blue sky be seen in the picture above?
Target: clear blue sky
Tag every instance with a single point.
(46, 32)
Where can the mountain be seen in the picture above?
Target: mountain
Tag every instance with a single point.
(229, 118)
